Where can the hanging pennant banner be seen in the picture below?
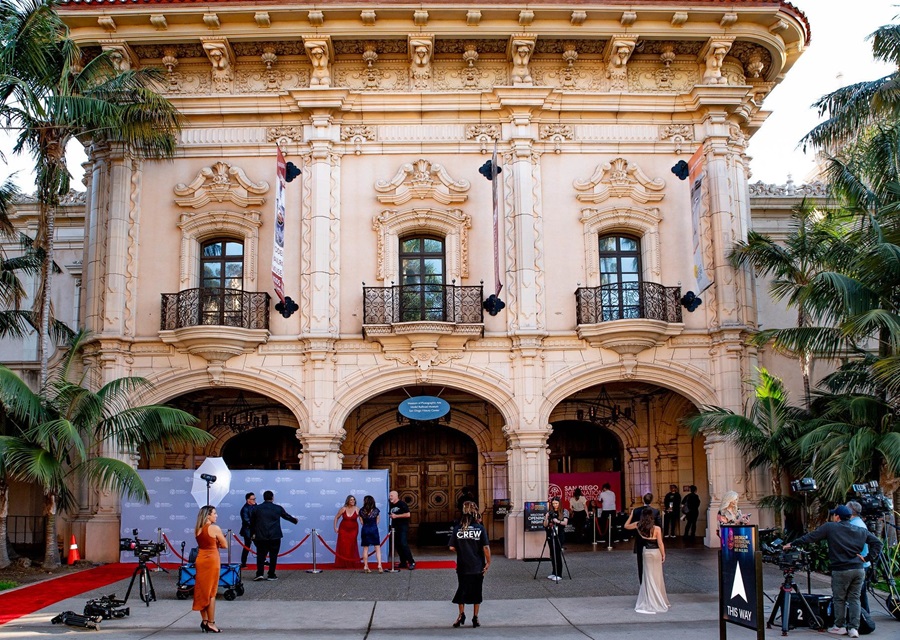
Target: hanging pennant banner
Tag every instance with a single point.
(695, 177)
(278, 246)
(495, 188)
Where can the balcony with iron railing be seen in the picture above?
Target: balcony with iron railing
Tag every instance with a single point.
(215, 323)
(628, 317)
(423, 315)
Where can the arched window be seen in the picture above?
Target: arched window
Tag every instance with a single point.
(422, 261)
(620, 277)
(221, 282)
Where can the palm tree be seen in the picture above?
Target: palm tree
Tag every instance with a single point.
(765, 434)
(70, 434)
(813, 241)
(50, 94)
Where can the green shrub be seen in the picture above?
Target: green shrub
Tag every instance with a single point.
(7, 584)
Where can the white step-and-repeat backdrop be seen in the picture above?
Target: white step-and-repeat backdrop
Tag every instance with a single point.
(313, 497)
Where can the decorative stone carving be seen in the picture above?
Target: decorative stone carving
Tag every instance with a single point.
(526, 17)
(618, 52)
(320, 55)
(367, 17)
(357, 134)
(212, 21)
(813, 189)
(473, 17)
(222, 59)
(424, 181)
(107, 23)
(158, 21)
(577, 18)
(284, 134)
(713, 55)
(619, 179)
(569, 56)
(628, 18)
(262, 19)
(470, 73)
(316, 18)
(120, 55)
(556, 133)
(421, 48)
(219, 183)
(483, 133)
(521, 46)
(679, 18)
(677, 133)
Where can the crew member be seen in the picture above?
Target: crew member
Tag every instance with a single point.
(845, 548)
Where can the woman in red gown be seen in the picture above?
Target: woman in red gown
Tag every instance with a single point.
(209, 540)
(347, 556)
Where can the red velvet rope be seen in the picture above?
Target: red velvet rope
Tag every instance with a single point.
(241, 544)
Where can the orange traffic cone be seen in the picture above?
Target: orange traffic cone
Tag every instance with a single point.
(74, 556)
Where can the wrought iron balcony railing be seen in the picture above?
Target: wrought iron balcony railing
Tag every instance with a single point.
(214, 307)
(422, 303)
(626, 301)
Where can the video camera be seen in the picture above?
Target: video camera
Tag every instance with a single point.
(106, 607)
(142, 549)
(872, 499)
(788, 561)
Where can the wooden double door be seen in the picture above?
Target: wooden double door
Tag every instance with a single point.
(429, 467)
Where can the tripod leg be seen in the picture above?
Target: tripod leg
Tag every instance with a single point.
(131, 584)
(785, 609)
(540, 559)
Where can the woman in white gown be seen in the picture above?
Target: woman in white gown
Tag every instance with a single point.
(652, 597)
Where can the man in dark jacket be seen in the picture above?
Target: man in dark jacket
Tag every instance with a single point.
(246, 529)
(266, 524)
(692, 502)
(845, 547)
(638, 541)
(672, 502)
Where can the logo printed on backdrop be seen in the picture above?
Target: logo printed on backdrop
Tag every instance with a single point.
(177, 516)
(300, 492)
(177, 492)
(162, 505)
(328, 492)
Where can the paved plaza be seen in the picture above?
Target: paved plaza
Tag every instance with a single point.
(598, 602)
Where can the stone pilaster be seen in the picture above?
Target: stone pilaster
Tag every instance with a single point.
(528, 460)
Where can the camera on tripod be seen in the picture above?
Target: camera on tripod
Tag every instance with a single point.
(788, 561)
(142, 549)
(872, 499)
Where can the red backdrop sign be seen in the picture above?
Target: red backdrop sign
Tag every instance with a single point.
(564, 485)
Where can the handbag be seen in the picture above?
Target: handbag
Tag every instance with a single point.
(684, 509)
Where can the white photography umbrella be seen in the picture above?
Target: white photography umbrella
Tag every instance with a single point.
(212, 481)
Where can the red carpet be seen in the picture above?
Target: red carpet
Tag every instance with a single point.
(29, 599)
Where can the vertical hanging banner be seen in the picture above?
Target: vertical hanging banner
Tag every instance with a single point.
(495, 189)
(278, 246)
(696, 176)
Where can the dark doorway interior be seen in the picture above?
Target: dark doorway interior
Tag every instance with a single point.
(429, 467)
(582, 447)
(270, 448)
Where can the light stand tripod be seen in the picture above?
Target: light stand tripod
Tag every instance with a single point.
(556, 548)
(209, 479)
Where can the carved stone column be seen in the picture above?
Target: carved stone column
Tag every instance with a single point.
(528, 461)
(320, 451)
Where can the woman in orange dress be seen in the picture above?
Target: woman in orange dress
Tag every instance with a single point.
(206, 583)
(347, 556)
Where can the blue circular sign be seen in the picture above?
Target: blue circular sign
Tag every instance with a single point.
(423, 408)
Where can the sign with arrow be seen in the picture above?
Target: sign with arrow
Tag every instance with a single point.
(740, 579)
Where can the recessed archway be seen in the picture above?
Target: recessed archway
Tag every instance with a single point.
(263, 448)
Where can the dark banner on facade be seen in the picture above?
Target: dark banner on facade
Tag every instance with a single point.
(740, 578)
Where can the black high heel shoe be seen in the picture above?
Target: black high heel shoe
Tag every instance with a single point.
(475, 623)
(207, 629)
(204, 627)
(461, 620)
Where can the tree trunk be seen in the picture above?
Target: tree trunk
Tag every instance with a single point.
(4, 512)
(46, 274)
(51, 549)
(776, 491)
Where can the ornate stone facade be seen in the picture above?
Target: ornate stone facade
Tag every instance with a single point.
(389, 111)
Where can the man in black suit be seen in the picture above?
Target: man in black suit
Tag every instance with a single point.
(266, 524)
(638, 541)
(246, 529)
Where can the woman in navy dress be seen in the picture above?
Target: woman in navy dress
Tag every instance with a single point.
(370, 516)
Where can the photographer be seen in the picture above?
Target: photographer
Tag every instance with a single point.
(555, 522)
(845, 548)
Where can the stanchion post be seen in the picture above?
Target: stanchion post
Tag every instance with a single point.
(228, 536)
(609, 528)
(315, 569)
(158, 546)
(391, 548)
(596, 523)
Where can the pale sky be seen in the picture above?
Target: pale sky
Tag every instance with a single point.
(839, 54)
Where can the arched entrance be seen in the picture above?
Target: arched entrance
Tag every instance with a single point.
(272, 448)
(583, 447)
(429, 467)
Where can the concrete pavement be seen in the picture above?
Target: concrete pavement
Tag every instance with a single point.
(597, 603)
